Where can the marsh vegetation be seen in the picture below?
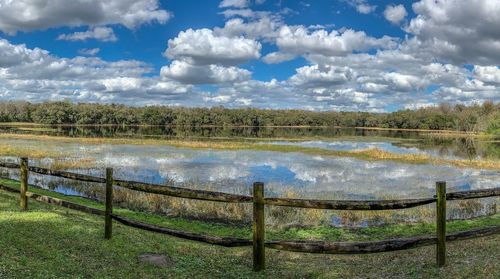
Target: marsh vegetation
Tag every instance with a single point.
(325, 163)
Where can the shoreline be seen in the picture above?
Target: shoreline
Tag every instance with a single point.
(26, 124)
(367, 154)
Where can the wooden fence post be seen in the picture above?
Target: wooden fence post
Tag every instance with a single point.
(441, 223)
(108, 222)
(259, 259)
(24, 183)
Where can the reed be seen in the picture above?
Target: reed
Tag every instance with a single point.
(372, 154)
(277, 217)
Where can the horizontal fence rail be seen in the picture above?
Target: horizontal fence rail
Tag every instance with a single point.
(56, 201)
(349, 204)
(473, 194)
(68, 175)
(324, 247)
(221, 241)
(183, 192)
(374, 246)
(259, 200)
(226, 197)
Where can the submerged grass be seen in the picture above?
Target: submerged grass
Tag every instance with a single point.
(372, 154)
(29, 151)
(307, 230)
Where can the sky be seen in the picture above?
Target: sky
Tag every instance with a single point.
(341, 55)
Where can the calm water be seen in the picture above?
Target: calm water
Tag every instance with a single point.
(309, 176)
(329, 138)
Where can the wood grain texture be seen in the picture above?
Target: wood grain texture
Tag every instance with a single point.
(215, 240)
(68, 175)
(375, 246)
(258, 227)
(183, 192)
(349, 204)
(108, 221)
(23, 176)
(441, 223)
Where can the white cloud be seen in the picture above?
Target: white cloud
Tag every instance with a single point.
(362, 6)
(195, 74)
(299, 40)
(344, 69)
(104, 34)
(278, 57)
(264, 27)
(38, 75)
(458, 31)
(233, 3)
(203, 47)
(488, 74)
(395, 14)
(321, 76)
(29, 15)
(403, 82)
(89, 51)
(365, 9)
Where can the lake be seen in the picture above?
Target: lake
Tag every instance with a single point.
(304, 175)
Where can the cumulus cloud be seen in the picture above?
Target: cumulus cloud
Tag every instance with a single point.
(203, 47)
(104, 34)
(184, 72)
(341, 69)
(362, 6)
(263, 26)
(299, 40)
(89, 51)
(278, 57)
(321, 76)
(395, 13)
(462, 32)
(29, 15)
(38, 75)
(488, 74)
(233, 3)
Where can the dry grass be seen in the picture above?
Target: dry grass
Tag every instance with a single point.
(73, 163)
(29, 151)
(276, 217)
(372, 154)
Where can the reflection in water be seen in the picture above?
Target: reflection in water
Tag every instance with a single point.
(305, 176)
(468, 148)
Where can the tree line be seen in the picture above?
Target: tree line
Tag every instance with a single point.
(478, 118)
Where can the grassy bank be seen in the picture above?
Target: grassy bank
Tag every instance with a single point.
(368, 154)
(52, 242)
(319, 232)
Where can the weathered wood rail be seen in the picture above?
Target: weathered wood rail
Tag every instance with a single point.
(259, 200)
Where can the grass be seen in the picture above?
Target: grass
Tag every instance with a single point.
(318, 232)
(367, 154)
(51, 242)
(37, 129)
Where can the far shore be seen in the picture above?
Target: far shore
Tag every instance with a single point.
(367, 154)
(448, 132)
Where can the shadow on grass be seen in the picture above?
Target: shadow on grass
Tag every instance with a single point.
(51, 242)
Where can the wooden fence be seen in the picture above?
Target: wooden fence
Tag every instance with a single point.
(259, 201)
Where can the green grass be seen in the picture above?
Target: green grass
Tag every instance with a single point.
(320, 232)
(53, 242)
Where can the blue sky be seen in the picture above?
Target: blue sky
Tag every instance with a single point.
(318, 55)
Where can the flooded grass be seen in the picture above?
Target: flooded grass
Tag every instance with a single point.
(9, 150)
(308, 230)
(277, 217)
(372, 154)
